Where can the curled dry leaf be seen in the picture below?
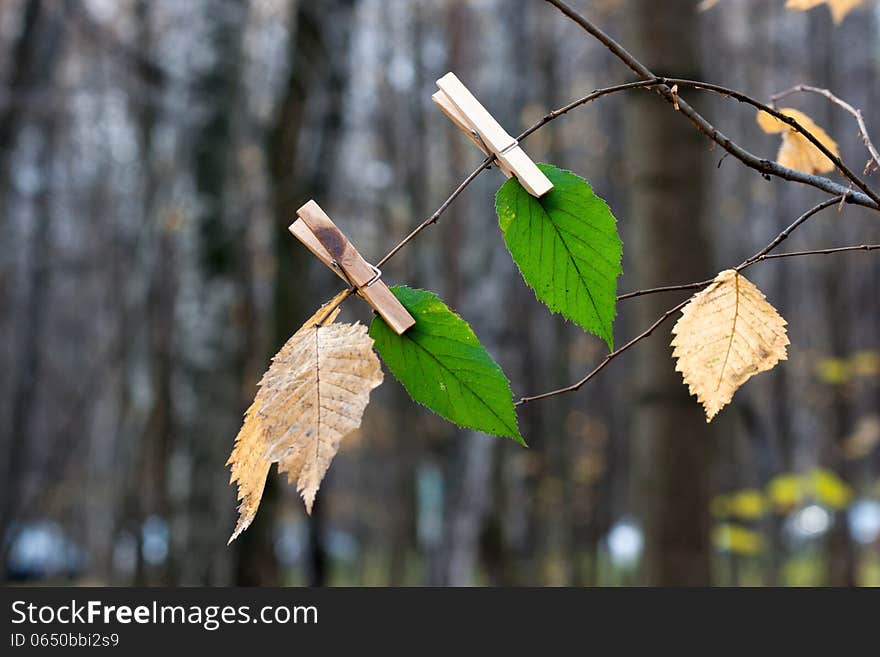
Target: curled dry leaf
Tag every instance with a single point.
(796, 151)
(726, 334)
(311, 397)
(839, 8)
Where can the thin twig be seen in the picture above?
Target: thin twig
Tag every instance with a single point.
(759, 258)
(660, 320)
(839, 249)
(779, 239)
(614, 354)
(437, 213)
(593, 95)
(855, 112)
(664, 288)
(748, 262)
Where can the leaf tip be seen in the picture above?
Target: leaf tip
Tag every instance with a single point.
(308, 496)
(242, 524)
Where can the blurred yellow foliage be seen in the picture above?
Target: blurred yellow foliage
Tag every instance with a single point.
(737, 539)
(820, 485)
(836, 371)
(832, 371)
(784, 493)
(830, 489)
(747, 504)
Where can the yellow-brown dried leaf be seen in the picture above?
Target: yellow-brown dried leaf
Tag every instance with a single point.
(312, 396)
(726, 334)
(796, 151)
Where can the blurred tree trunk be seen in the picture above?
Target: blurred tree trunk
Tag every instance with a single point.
(406, 138)
(842, 553)
(841, 564)
(37, 54)
(313, 99)
(148, 491)
(33, 51)
(225, 292)
(470, 459)
(668, 160)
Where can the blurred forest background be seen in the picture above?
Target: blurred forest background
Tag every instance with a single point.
(152, 155)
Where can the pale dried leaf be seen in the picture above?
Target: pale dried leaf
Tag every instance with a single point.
(839, 8)
(796, 151)
(864, 438)
(726, 334)
(311, 397)
(705, 5)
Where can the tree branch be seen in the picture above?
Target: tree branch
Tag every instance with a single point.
(779, 239)
(772, 111)
(690, 286)
(439, 211)
(749, 159)
(748, 262)
(839, 249)
(763, 254)
(614, 354)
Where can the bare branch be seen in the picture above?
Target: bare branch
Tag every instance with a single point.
(839, 249)
(614, 354)
(749, 159)
(772, 111)
(593, 95)
(748, 262)
(664, 288)
(660, 320)
(437, 213)
(779, 239)
(763, 254)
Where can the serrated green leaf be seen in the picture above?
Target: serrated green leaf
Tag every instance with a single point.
(442, 365)
(566, 247)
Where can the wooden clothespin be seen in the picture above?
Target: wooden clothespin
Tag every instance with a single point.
(467, 113)
(322, 237)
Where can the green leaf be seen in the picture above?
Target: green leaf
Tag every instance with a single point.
(566, 247)
(442, 365)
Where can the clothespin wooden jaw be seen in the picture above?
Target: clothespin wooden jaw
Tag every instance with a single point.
(465, 111)
(324, 239)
